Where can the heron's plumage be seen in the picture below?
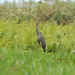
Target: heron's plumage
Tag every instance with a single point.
(40, 37)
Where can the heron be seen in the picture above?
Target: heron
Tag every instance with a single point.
(40, 37)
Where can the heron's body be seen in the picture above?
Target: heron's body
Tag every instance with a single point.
(40, 37)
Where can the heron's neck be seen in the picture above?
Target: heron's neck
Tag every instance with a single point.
(37, 27)
(37, 30)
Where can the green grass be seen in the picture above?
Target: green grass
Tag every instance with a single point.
(21, 54)
(36, 63)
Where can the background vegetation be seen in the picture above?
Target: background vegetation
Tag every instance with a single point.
(20, 52)
(48, 10)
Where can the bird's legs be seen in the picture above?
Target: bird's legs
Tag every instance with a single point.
(40, 44)
(40, 49)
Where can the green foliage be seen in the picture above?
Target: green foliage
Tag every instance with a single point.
(36, 63)
(22, 36)
(21, 54)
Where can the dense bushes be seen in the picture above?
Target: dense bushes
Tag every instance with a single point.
(14, 36)
(61, 12)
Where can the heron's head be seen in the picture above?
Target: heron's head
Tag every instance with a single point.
(38, 19)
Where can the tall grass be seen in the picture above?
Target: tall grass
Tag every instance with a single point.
(31, 63)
